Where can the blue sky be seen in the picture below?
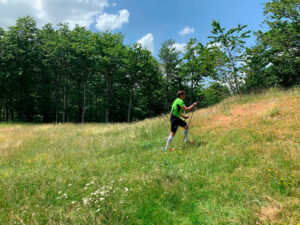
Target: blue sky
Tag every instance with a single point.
(149, 22)
(165, 19)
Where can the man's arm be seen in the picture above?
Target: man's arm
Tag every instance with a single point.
(187, 109)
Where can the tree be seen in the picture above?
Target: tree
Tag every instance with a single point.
(214, 94)
(282, 39)
(83, 50)
(134, 69)
(230, 45)
(170, 59)
(22, 68)
(150, 93)
(111, 54)
(2, 76)
(196, 65)
(260, 72)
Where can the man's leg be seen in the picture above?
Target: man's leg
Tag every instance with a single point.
(186, 130)
(170, 138)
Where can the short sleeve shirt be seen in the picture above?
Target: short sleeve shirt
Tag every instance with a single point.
(177, 107)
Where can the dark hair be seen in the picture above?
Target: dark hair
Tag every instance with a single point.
(179, 93)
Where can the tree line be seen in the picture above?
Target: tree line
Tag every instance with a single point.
(57, 74)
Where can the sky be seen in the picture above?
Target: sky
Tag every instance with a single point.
(148, 22)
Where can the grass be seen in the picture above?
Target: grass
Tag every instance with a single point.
(243, 168)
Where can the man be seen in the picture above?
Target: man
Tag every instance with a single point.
(177, 108)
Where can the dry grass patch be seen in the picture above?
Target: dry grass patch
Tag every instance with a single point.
(270, 213)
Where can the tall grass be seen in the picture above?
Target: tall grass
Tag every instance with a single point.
(242, 169)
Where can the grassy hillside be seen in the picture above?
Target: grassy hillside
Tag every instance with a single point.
(244, 168)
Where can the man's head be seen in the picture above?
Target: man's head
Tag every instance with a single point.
(181, 94)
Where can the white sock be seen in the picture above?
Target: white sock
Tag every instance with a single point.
(169, 141)
(186, 135)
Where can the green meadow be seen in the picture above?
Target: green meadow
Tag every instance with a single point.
(244, 168)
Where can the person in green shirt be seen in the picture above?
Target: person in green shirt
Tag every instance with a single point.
(178, 107)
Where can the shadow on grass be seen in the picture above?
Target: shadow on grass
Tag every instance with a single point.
(195, 144)
(200, 143)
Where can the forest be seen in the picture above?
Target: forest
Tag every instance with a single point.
(55, 74)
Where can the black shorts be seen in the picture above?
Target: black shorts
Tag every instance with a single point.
(175, 122)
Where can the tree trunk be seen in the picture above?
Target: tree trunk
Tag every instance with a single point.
(1, 109)
(167, 97)
(130, 105)
(108, 96)
(3, 114)
(83, 106)
(12, 115)
(64, 108)
(6, 114)
(56, 115)
(57, 85)
(192, 88)
(192, 93)
(237, 89)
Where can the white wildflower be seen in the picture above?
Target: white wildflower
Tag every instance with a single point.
(73, 202)
(126, 189)
(69, 185)
(85, 201)
(101, 199)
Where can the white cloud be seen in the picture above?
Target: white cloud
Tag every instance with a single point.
(147, 42)
(187, 30)
(180, 47)
(114, 4)
(82, 12)
(112, 21)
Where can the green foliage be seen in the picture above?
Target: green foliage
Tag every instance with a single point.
(214, 94)
(227, 49)
(282, 39)
(273, 112)
(58, 74)
(170, 60)
(260, 72)
(63, 75)
(196, 65)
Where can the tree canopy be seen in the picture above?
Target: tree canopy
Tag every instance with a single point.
(57, 74)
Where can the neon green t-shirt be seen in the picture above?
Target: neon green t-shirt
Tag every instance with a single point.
(177, 107)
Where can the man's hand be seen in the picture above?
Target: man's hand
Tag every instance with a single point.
(195, 104)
